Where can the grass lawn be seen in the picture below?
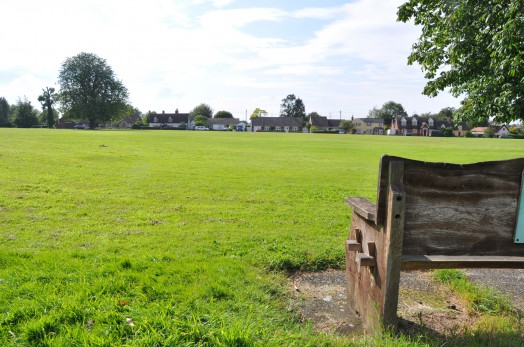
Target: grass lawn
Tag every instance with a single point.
(181, 238)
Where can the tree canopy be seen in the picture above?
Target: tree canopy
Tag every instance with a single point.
(292, 107)
(201, 110)
(474, 48)
(25, 114)
(223, 114)
(347, 126)
(90, 90)
(388, 111)
(258, 112)
(200, 120)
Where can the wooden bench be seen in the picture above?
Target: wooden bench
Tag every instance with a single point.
(428, 216)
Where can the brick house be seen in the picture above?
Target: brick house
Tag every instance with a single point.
(419, 126)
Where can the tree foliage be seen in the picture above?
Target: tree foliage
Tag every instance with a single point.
(388, 111)
(90, 90)
(292, 107)
(25, 114)
(347, 126)
(258, 112)
(223, 114)
(201, 110)
(47, 100)
(4, 111)
(474, 48)
(200, 120)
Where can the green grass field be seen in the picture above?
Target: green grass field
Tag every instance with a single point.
(180, 238)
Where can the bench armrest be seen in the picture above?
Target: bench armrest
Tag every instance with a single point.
(363, 207)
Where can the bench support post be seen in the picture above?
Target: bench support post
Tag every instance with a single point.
(373, 259)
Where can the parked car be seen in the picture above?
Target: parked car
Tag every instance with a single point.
(201, 127)
(80, 126)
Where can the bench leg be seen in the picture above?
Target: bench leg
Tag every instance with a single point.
(373, 264)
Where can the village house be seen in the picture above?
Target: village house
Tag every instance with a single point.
(421, 126)
(498, 130)
(277, 124)
(369, 126)
(171, 120)
(323, 123)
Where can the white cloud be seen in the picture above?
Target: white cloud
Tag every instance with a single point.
(176, 54)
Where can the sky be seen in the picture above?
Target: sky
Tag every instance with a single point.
(342, 58)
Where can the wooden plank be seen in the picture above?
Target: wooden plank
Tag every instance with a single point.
(362, 207)
(394, 231)
(462, 209)
(419, 262)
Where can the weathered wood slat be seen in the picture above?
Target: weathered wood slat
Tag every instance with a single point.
(362, 207)
(462, 209)
(420, 262)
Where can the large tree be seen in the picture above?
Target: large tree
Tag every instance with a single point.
(201, 110)
(474, 48)
(292, 107)
(4, 112)
(90, 90)
(47, 100)
(388, 111)
(25, 114)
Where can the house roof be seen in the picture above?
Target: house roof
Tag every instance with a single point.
(371, 120)
(324, 122)
(334, 123)
(168, 117)
(276, 121)
(319, 121)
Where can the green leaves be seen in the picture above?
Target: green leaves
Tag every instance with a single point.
(473, 48)
(292, 107)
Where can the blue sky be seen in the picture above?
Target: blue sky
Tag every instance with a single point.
(339, 57)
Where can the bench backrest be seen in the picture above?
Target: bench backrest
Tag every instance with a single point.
(453, 209)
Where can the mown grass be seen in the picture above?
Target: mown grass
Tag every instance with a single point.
(182, 238)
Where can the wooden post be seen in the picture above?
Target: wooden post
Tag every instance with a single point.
(374, 255)
(394, 230)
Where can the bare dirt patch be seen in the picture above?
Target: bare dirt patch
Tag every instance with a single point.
(424, 305)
